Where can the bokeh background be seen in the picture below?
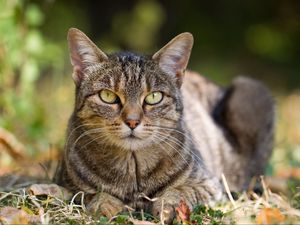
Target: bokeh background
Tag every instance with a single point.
(255, 38)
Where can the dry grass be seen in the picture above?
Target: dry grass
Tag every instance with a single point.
(269, 208)
(22, 206)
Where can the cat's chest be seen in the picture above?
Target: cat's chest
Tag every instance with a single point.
(139, 174)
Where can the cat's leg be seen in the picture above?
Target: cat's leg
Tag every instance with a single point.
(100, 203)
(247, 115)
(192, 192)
(105, 204)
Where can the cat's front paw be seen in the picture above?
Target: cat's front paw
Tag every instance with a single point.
(105, 204)
(165, 212)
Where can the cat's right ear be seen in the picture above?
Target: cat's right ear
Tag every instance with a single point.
(83, 53)
(174, 56)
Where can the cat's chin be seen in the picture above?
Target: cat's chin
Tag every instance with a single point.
(132, 143)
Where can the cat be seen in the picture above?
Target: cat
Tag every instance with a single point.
(144, 127)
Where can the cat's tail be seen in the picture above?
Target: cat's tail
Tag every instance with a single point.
(247, 115)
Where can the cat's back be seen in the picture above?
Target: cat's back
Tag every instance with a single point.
(197, 89)
(200, 98)
(231, 127)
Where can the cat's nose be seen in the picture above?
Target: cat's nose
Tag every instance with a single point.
(132, 124)
(132, 115)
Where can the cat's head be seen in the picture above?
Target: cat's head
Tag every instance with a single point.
(126, 99)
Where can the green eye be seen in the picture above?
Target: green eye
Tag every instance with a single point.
(108, 96)
(154, 98)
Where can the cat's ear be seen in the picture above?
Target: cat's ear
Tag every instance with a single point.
(174, 56)
(83, 53)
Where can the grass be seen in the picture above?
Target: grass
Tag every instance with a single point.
(248, 208)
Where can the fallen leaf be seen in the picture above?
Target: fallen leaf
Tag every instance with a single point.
(183, 212)
(269, 216)
(13, 147)
(289, 173)
(10, 215)
(141, 222)
(51, 190)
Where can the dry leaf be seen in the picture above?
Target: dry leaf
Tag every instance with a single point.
(289, 173)
(10, 143)
(269, 216)
(141, 222)
(183, 212)
(50, 189)
(10, 215)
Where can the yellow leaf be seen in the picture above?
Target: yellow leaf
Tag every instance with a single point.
(27, 210)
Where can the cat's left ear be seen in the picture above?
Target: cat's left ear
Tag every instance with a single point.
(83, 53)
(174, 56)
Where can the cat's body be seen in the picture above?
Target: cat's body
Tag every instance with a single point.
(232, 127)
(137, 130)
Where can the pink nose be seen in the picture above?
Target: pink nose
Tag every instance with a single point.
(132, 123)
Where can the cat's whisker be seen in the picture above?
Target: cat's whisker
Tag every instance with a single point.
(164, 149)
(181, 144)
(91, 131)
(192, 139)
(76, 128)
(164, 141)
(94, 139)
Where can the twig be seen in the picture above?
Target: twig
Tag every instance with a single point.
(266, 191)
(142, 213)
(14, 148)
(142, 195)
(228, 191)
(162, 212)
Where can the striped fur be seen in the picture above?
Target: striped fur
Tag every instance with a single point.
(181, 146)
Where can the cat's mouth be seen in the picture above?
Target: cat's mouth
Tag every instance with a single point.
(131, 136)
(132, 141)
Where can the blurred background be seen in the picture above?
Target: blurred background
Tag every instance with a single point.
(254, 38)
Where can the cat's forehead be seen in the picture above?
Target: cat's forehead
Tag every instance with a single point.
(129, 57)
(128, 72)
(131, 64)
(130, 67)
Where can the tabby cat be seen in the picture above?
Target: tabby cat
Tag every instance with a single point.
(144, 128)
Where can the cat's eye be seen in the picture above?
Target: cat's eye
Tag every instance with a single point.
(108, 96)
(154, 98)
